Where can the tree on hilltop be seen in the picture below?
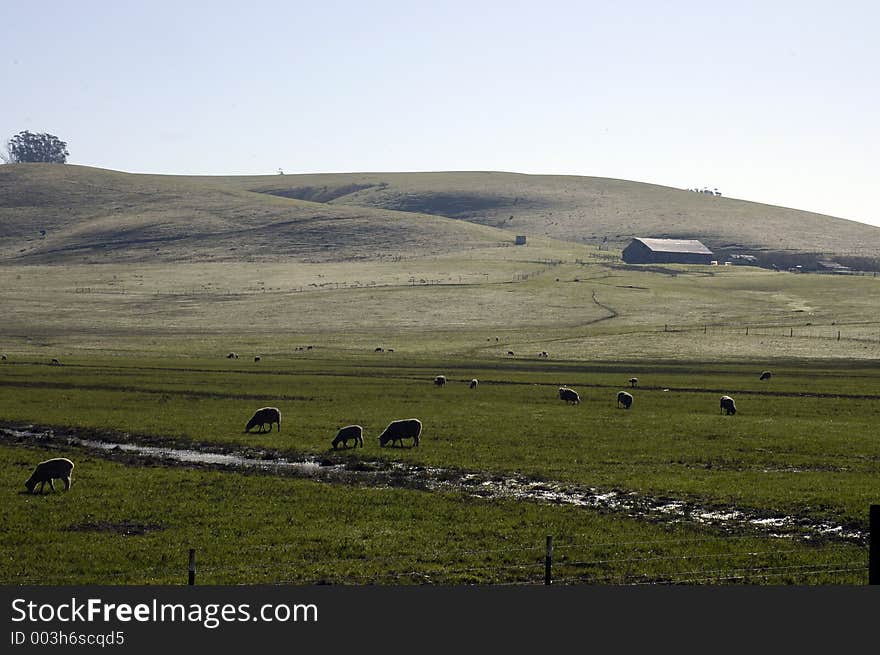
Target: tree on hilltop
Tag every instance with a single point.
(28, 147)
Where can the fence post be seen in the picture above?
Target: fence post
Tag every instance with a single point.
(838, 335)
(747, 330)
(874, 545)
(192, 566)
(548, 558)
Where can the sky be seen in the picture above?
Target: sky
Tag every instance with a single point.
(768, 101)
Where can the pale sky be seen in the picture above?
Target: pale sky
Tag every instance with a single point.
(774, 102)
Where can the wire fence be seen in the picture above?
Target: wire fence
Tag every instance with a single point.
(572, 560)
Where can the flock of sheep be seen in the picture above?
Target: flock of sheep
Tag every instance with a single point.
(396, 432)
(60, 468)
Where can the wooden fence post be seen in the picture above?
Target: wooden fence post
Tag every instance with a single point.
(192, 566)
(548, 558)
(874, 545)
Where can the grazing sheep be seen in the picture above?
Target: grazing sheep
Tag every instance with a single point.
(633, 382)
(379, 349)
(349, 432)
(440, 380)
(232, 356)
(728, 405)
(3, 357)
(510, 353)
(59, 468)
(766, 375)
(409, 428)
(625, 399)
(263, 417)
(569, 395)
(474, 383)
(55, 362)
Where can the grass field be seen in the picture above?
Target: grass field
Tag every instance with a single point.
(355, 332)
(800, 446)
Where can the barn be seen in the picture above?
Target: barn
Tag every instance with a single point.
(666, 251)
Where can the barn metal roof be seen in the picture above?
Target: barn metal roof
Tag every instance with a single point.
(691, 246)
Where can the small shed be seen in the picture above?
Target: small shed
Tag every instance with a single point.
(666, 251)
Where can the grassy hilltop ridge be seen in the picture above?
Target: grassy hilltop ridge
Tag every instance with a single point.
(76, 214)
(586, 209)
(52, 214)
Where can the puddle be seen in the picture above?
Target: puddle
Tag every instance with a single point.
(480, 484)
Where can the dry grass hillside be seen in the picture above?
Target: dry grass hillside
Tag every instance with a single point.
(587, 209)
(75, 214)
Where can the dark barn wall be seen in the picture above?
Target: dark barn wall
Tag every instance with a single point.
(638, 253)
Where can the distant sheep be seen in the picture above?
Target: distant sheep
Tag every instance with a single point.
(727, 405)
(766, 375)
(59, 468)
(257, 358)
(625, 399)
(349, 433)
(510, 353)
(379, 349)
(3, 357)
(474, 383)
(55, 362)
(569, 395)
(263, 417)
(232, 356)
(634, 382)
(440, 380)
(397, 431)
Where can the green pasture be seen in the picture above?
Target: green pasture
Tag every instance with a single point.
(122, 524)
(143, 346)
(802, 443)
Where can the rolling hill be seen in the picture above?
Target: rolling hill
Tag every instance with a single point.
(51, 214)
(75, 214)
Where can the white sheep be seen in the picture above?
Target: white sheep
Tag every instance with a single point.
(625, 399)
(397, 431)
(728, 405)
(59, 468)
(440, 380)
(569, 395)
(264, 416)
(349, 432)
(474, 383)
